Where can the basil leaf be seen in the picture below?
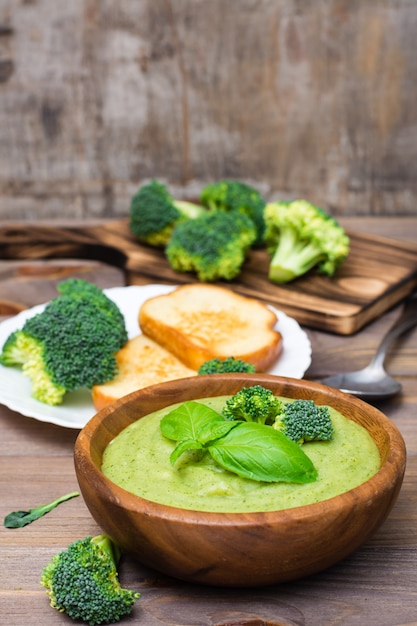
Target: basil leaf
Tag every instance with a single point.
(193, 425)
(259, 452)
(184, 446)
(249, 449)
(215, 429)
(193, 421)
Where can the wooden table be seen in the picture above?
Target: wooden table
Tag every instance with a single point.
(376, 585)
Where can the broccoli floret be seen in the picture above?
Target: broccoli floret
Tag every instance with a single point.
(253, 404)
(82, 581)
(154, 213)
(14, 351)
(300, 236)
(214, 245)
(78, 288)
(234, 195)
(225, 366)
(72, 343)
(303, 420)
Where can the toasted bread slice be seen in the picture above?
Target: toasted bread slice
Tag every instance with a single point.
(141, 362)
(199, 322)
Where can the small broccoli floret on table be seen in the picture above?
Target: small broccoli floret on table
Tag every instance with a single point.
(82, 581)
(253, 404)
(71, 344)
(226, 366)
(300, 236)
(214, 245)
(234, 195)
(304, 420)
(154, 213)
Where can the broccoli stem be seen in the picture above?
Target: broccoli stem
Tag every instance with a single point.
(18, 519)
(108, 546)
(188, 209)
(293, 257)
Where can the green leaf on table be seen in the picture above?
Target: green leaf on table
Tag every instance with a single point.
(18, 519)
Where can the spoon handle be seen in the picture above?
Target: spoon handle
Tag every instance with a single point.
(407, 320)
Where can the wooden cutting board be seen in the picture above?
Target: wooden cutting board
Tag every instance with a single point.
(378, 273)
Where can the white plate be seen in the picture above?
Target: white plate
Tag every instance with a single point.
(77, 408)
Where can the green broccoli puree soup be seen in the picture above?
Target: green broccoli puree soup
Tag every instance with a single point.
(138, 460)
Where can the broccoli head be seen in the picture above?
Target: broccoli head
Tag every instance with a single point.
(304, 420)
(154, 213)
(226, 366)
(253, 404)
(234, 195)
(82, 581)
(300, 236)
(78, 288)
(214, 245)
(71, 344)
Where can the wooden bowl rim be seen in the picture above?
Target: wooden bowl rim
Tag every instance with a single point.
(390, 472)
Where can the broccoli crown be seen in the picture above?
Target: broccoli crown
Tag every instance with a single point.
(253, 404)
(78, 288)
(303, 420)
(225, 366)
(154, 213)
(78, 341)
(82, 581)
(213, 245)
(70, 344)
(234, 195)
(300, 236)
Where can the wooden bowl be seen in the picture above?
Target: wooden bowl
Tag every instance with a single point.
(238, 549)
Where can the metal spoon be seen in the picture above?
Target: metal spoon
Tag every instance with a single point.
(373, 382)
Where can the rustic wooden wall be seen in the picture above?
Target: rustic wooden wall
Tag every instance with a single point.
(307, 98)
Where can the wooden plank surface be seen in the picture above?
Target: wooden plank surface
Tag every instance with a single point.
(377, 274)
(304, 99)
